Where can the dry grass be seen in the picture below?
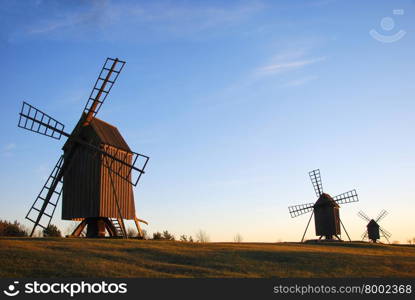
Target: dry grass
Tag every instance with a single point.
(55, 257)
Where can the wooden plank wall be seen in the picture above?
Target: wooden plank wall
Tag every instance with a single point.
(81, 191)
(124, 190)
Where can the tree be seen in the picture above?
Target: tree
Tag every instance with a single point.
(237, 238)
(12, 229)
(190, 239)
(183, 238)
(52, 231)
(157, 236)
(167, 236)
(202, 237)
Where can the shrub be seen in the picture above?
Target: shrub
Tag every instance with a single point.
(202, 237)
(157, 236)
(163, 236)
(237, 238)
(52, 231)
(11, 229)
(168, 236)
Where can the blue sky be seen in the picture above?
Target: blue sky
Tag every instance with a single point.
(234, 101)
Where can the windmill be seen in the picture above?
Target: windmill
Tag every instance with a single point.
(97, 171)
(373, 228)
(325, 209)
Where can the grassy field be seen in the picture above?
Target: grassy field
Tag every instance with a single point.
(41, 258)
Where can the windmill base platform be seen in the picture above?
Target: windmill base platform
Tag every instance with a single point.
(316, 241)
(98, 227)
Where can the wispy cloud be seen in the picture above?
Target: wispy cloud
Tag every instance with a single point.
(300, 81)
(8, 149)
(158, 15)
(98, 13)
(283, 65)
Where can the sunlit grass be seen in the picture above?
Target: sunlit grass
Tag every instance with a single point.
(24, 257)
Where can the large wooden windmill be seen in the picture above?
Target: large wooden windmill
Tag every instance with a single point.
(373, 230)
(325, 210)
(97, 171)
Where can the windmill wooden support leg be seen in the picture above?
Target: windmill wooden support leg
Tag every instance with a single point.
(302, 239)
(344, 228)
(78, 230)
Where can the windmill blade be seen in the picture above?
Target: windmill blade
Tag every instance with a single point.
(297, 210)
(43, 208)
(385, 233)
(103, 85)
(364, 235)
(350, 196)
(381, 215)
(316, 181)
(127, 165)
(363, 216)
(35, 120)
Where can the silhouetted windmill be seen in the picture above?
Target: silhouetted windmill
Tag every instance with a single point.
(373, 228)
(93, 153)
(325, 209)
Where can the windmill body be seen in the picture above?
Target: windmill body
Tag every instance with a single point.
(373, 230)
(97, 171)
(326, 217)
(88, 186)
(326, 210)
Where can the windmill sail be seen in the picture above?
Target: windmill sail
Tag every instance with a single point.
(385, 232)
(381, 215)
(297, 210)
(316, 181)
(348, 197)
(33, 119)
(103, 85)
(362, 215)
(43, 208)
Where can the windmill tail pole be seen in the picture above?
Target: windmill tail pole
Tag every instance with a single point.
(302, 239)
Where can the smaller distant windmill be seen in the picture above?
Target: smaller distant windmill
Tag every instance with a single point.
(325, 210)
(373, 231)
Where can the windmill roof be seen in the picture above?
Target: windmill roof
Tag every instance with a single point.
(325, 200)
(103, 132)
(109, 134)
(372, 223)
